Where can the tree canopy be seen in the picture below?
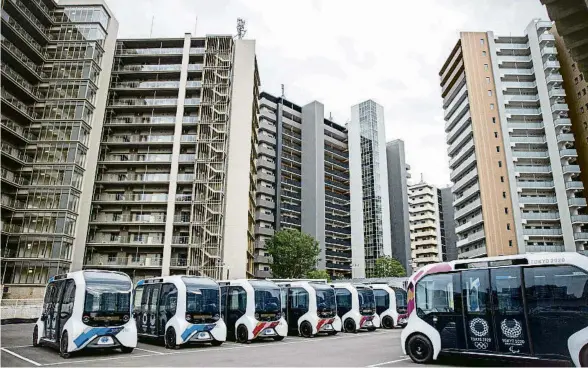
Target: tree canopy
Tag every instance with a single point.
(294, 253)
(318, 275)
(388, 267)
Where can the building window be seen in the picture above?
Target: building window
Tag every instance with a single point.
(490, 92)
(483, 53)
(495, 134)
(576, 80)
(497, 148)
(499, 163)
(583, 91)
(485, 66)
(487, 79)
(507, 226)
(491, 106)
(503, 194)
(493, 120)
(506, 210)
(482, 41)
(510, 243)
(502, 179)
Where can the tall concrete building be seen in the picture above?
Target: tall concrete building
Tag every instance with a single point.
(175, 184)
(512, 156)
(303, 182)
(576, 87)
(398, 175)
(447, 220)
(427, 241)
(370, 211)
(571, 19)
(56, 62)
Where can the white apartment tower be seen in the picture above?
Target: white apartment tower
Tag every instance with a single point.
(370, 208)
(425, 225)
(512, 155)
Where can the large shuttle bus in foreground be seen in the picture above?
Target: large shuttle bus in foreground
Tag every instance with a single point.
(87, 310)
(526, 306)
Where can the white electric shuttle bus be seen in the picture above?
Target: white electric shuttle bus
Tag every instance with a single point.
(390, 306)
(356, 306)
(533, 305)
(179, 309)
(310, 307)
(252, 309)
(87, 310)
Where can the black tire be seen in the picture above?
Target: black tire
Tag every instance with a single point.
(584, 356)
(420, 349)
(242, 334)
(63, 346)
(278, 338)
(170, 339)
(36, 336)
(349, 326)
(216, 343)
(387, 322)
(305, 329)
(126, 349)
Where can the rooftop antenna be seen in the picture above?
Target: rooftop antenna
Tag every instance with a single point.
(330, 116)
(151, 30)
(241, 30)
(195, 26)
(283, 94)
(422, 178)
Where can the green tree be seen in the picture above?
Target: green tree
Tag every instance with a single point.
(294, 253)
(389, 267)
(318, 275)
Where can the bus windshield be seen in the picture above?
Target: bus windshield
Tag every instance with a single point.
(367, 301)
(401, 300)
(325, 301)
(267, 302)
(202, 299)
(108, 298)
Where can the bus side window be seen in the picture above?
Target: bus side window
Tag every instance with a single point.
(223, 298)
(48, 297)
(299, 299)
(343, 298)
(69, 297)
(168, 302)
(138, 299)
(238, 299)
(435, 293)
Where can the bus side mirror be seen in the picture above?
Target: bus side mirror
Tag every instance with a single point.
(135, 314)
(43, 317)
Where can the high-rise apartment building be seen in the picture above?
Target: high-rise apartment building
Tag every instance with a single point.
(56, 62)
(303, 182)
(512, 156)
(175, 184)
(426, 217)
(398, 175)
(571, 19)
(370, 212)
(447, 221)
(576, 87)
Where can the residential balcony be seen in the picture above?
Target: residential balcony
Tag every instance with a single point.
(458, 103)
(562, 122)
(508, 99)
(126, 240)
(458, 127)
(134, 102)
(565, 137)
(108, 197)
(262, 216)
(514, 59)
(129, 158)
(463, 167)
(428, 250)
(16, 129)
(546, 37)
(262, 259)
(461, 154)
(559, 107)
(262, 274)
(583, 236)
(426, 260)
(465, 180)
(471, 238)
(20, 81)
(556, 92)
(262, 189)
(183, 218)
(474, 253)
(464, 137)
(264, 230)
(145, 85)
(523, 184)
(506, 85)
(525, 126)
(186, 177)
(577, 202)
(530, 154)
(266, 204)
(548, 51)
(423, 242)
(15, 153)
(180, 239)
(523, 112)
(133, 218)
(511, 46)
(466, 194)
(568, 153)
(459, 113)
(133, 177)
(580, 219)
(542, 232)
(538, 200)
(571, 169)
(424, 234)
(540, 216)
(554, 78)
(178, 262)
(30, 42)
(527, 140)
(149, 68)
(426, 216)
(532, 169)
(469, 208)
(426, 207)
(150, 51)
(183, 197)
(574, 184)
(187, 157)
(471, 223)
(129, 261)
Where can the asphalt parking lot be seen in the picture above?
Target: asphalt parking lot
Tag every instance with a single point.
(365, 349)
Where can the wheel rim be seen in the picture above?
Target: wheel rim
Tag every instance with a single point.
(171, 338)
(387, 322)
(349, 325)
(242, 334)
(306, 330)
(420, 349)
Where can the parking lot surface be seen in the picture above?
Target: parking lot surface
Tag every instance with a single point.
(365, 349)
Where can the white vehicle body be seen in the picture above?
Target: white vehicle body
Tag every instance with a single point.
(544, 274)
(355, 314)
(324, 321)
(64, 314)
(175, 294)
(238, 305)
(387, 315)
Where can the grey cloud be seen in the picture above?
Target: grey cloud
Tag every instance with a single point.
(392, 84)
(364, 60)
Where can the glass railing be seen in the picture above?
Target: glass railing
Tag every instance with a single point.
(151, 51)
(575, 184)
(142, 120)
(197, 50)
(138, 157)
(580, 218)
(540, 216)
(190, 119)
(580, 236)
(183, 197)
(193, 84)
(21, 56)
(185, 177)
(531, 154)
(535, 184)
(577, 201)
(23, 33)
(135, 239)
(533, 169)
(158, 197)
(188, 138)
(9, 124)
(182, 218)
(562, 122)
(571, 168)
(568, 152)
(125, 261)
(187, 157)
(543, 200)
(542, 232)
(40, 26)
(133, 177)
(523, 111)
(20, 80)
(18, 104)
(15, 152)
(142, 218)
(146, 84)
(139, 138)
(559, 107)
(194, 66)
(191, 101)
(565, 137)
(150, 68)
(143, 102)
(554, 78)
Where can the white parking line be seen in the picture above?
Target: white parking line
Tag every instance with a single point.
(150, 351)
(273, 345)
(17, 347)
(21, 357)
(390, 362)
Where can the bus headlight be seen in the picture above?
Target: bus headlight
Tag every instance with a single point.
(126, 318)
(216, 317)
(86, 319)
(278, 315)
(256, 316)
(188, 317)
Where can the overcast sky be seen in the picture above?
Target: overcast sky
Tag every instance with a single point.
(342, 52)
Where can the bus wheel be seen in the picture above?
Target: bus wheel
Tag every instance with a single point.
(36, 336)
(420, 349)
(63, 346)
(387, 322)
(349, 325)
(242, 334)
(126, 349)
(584, 357)
(216, 343)
(306, 329)
(170, 339)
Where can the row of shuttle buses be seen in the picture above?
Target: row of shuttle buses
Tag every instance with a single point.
(533, 306)
(99, 309)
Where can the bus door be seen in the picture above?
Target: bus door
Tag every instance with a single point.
(66, 298)
(49, 310)
(147, 314)
(236, 307)
(297, 306)
(168, 301)
(510, 321)
(477, 301)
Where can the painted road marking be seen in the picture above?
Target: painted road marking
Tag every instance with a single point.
(272, 345)
(150, 351)
(17, 347)
(21, 357)
(390, 362)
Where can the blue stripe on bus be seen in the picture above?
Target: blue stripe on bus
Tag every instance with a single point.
(96, 331)
(140, 282)
(196, 328)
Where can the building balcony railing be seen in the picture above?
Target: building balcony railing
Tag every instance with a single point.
(472, 237)
(580, 202)
(180, 239)
(473, 253)
(468, 209)
(568, 153)
(119, 239)
(554, 78)
(571, 169)
(565, 137)
(581, 236)
(530, 154)
(15, 153)
(31, 17)
(21, 56)
(149, 68)
(178, 262)
(20, 131)
(540, 216)
(23, 33)
(562, 122)
(574, 184)
(183, 218)
(146, 84)
(533, 169)
(139, 139)
(129, 261)
(527, 139)
(135, 218)
(542, 232)
(120, 197)
(133, 177)
(151, 51)
(474, 221)
(534, 184)
(580, 219)
(137, 158)
(465, 180)
(538, 200)
(144, 102)
(18, 79)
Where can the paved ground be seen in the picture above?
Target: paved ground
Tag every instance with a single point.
(367, 349)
